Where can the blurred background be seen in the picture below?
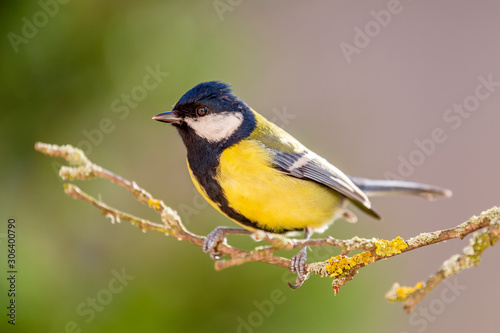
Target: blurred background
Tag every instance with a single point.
(399, 89)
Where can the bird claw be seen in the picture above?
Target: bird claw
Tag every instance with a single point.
(298, 265)
(213, 239)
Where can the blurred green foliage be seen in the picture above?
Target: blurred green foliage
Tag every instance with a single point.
(60, 85)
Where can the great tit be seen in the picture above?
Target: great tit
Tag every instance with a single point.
(261, 177)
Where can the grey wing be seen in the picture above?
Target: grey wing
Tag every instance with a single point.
(308, 165)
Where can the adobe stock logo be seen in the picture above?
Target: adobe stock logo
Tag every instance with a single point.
(263, 309)
(453, 119)
(121, 108)
(31, 26)
(222, 6)
(92, 306)
(424, 315)
(373, 28)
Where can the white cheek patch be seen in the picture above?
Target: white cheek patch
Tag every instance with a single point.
(216, 127)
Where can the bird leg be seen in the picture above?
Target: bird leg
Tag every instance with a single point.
(298, 263)
(218, 236)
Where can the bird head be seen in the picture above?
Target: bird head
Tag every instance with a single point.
(210, 112)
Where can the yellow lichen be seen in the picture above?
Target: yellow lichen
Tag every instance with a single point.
(403, 291)
(339, 265)
(389, 248)
(154, 203)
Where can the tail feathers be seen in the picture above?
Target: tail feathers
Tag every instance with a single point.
(374, 187)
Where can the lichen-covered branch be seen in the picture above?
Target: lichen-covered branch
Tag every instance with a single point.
(470, 257)
(341, 268)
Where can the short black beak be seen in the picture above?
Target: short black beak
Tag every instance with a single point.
(168, 117)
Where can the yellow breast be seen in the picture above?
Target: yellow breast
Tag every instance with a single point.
(263, 194)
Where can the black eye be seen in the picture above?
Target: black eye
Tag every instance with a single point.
(202, 111)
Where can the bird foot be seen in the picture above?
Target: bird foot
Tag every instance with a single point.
(213, 239)
(298, 265)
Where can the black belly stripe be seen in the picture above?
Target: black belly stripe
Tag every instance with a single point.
(203, 158)
(205, 175)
